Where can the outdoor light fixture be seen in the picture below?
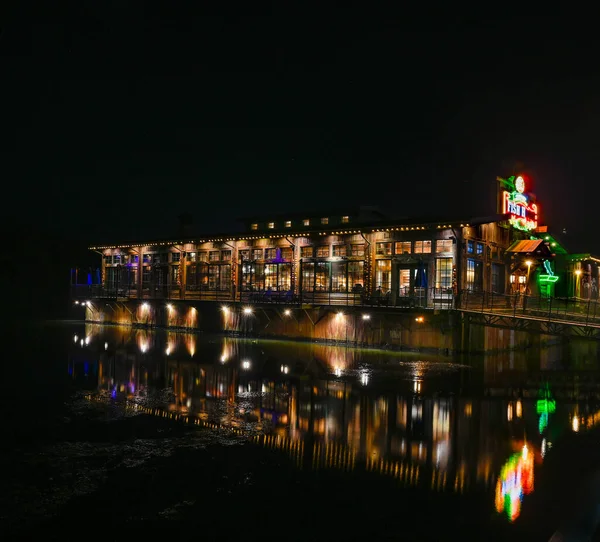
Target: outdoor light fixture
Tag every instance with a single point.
(169, 306)
(75, 337)
(420, 319)
(247, 310)
(287, 312)
(285, 369)
(578, 272)
(528, 263)
(366, 317)
(76, 302)
(168, 350)
(145, 306)
(246, 365)
(225, 309)
(105, 346)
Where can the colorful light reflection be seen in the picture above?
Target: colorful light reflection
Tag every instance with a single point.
(515, 480)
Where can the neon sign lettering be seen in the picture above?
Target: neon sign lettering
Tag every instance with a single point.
(523, 214)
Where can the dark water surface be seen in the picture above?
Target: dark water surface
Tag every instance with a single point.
(113, 433)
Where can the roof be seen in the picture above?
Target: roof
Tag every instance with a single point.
(526, 246)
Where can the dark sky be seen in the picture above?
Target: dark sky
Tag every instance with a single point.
(119, 117)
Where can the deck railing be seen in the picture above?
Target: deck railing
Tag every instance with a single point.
(569, 309)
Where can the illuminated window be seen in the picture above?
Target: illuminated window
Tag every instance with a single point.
(323, 251)
(191, 257)
(226, 255)
(325, 221)
(384, 249)
(443, 245)
(257, 254)
(306, 252)
(357, 251)
(176, 257)
(214, 256)
(287, 253)
(288, 223)
(470, 247)
(203, 256)
(443, 272)
(270, 253)
(253, 226)
(422, 247)
(383, 275)
(339, 250)
(244, 255)
(474, 275)
(403, 247)
(480, 248)
(345, 219)
(306, 222)
(271, 225)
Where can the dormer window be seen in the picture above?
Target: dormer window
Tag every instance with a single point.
(345, 219)
(325, 221)
(271, 225)
(306, 222)
(288, 223)
(253, 226)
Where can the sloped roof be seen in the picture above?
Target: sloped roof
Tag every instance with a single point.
(526, 246)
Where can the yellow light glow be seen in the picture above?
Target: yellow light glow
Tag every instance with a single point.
(247, 310)
(578, 272)
(366, 316)
(287, 312)
(528, 263)
(575, 424)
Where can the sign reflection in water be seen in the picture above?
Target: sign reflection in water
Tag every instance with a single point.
(332, 407)
(515, 480)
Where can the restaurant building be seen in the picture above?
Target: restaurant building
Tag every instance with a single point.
(354, 256)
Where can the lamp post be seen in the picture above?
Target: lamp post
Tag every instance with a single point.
(528, 263)
(577, 277)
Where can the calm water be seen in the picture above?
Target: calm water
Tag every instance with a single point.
(121, 432)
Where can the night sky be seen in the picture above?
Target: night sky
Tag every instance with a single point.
(117, 118)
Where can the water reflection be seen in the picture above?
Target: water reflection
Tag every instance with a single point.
(432, 424)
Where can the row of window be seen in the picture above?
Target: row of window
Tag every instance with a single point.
(305, 222)
(413, 247)
(287, 254)
(343, 276)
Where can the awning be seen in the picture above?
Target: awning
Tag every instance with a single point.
(525, 247)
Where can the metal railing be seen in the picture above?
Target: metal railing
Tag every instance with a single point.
(438, 298)
(569, 309)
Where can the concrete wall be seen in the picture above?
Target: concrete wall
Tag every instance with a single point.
(445, 332)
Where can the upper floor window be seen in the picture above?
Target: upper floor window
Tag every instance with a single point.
(214, 256)
(443, 245)
(323, 251)
(244, 254)
(325, 221)
(306, 252)
(384, 249)
(422, 247)
(480, 248)
(345, 219)
(270, 253)
(470, 247)
(287, 253)
(191, 257)
(175, 257)
(306, 222)
(339, 250)
(257, 253)
(403, 247)
(203, 256)
(271, 225)
(254, 226)
(288, 223)
(226, 255)
(357, 251)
